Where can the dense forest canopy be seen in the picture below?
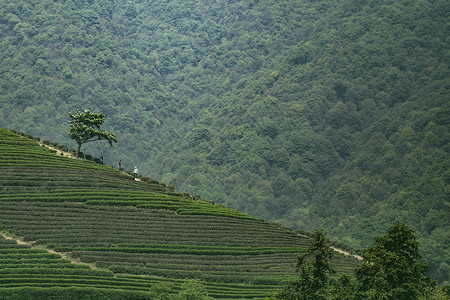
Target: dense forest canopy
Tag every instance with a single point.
(315, 114)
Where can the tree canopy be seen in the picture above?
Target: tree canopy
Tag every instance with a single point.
(392, 266)
(85, 127)
(313, 275)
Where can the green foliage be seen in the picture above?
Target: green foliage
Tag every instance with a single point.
(349, 95)
(192, 290)
(392, 268)
(102, 216)
(313, 278)
(17, 293)
(85, 127)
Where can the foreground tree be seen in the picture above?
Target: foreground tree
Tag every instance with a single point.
(314, 274)
(85, 127)
(392, 268)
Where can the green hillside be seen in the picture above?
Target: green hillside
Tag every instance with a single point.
(311, 113)
(138, 235)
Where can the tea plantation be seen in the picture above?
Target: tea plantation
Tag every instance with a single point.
(129, 237)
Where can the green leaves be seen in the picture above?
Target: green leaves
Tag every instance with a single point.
(85, 127)
(313, 280)
(177, 78)
(391, 269)
(392, 266)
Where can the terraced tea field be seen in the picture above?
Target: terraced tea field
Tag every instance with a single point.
(137, 235)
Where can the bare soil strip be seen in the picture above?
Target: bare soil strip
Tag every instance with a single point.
(339, 250)
(70, 155)
(347, 253)
(63, 255)
(58, 151)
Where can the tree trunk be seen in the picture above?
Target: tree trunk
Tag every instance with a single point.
(78, 152)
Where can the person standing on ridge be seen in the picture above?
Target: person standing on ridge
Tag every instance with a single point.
(120, 165)
(135, 172)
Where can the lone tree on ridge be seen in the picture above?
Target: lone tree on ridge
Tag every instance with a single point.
(85, 127)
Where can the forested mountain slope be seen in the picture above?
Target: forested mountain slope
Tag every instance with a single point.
(317, 114)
